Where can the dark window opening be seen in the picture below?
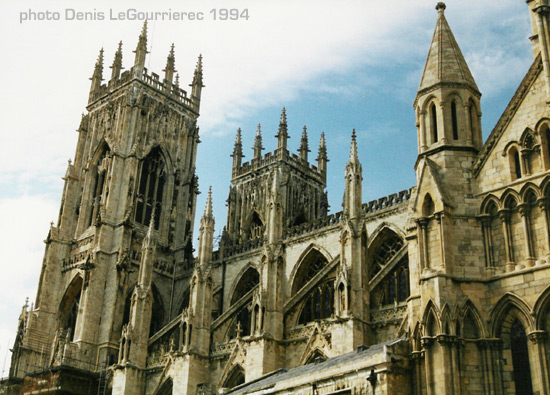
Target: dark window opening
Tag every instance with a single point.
(319, 304)
(520, 359)
(454, 120)
(433, 115)
(70, 323)
(151, 188)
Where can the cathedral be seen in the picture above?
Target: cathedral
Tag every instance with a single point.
(440, 289)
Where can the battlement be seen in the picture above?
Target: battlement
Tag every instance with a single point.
(150, 79)
(276, 156)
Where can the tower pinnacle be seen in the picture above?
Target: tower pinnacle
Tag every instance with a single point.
(141, 49)
(170, 68)
(258, 144)
(304, 145)
(117, 62)
(237, 150)
(197, 84)
(282, 135)
(353, 158)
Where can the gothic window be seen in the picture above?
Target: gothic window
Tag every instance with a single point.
(315, 356)
(309, 267)
(234, 378)
(530, 150)
(515, 164)
(151, 187)
(248, 280)
(433, 118)
(157, 312)
(454, 120)
(428, 208)
(520, 359)
(386, 251)
(256, 228)
(319, 303)
(496, 236)
(547, 141)
(70, 323)
(166, 388)
(242, 324)
(98, 182)
(395, 288)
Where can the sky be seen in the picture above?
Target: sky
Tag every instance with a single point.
(334, 65)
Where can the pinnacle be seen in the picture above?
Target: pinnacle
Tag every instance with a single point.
(440, 7)
(283, 117)
(353, 157)
(208, 207)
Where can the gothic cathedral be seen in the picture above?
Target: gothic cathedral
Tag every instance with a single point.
(440, 289)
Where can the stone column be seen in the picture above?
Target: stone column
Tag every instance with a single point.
(422, 131)
(538, 340)
(468, 124)
(487, 240)
(439, 217)
(524, 210)
(423, 245)
(543, 204)
(427, 343)
(505, 217)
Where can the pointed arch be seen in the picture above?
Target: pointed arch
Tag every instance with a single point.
(446, 320)
(541, 311)
(151, 185)
(310, 262)
(430, 321)
(529, 187)
(510, 306)
(510, 199)
(97, 171)
(472, 324)
(314, 356)
(167, 158)
(248, 278)
(385, 243)
(69, 307)
(428, 206)
(489, 202)
(166, 388)
(235, 377)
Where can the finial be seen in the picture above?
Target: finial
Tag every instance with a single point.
(238, 140)
(177, 82)
(440, 7)
(322, 155)
(283, 117)
(304, 145)
(197, 78)
(170, 68)
(141, 49)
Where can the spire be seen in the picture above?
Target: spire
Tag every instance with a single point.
(282, 135)
(97, 77)
(238, 150)
(304, 145)
(170, 68)
(353, 158)
(258, 144)
(117, 62)
(445, 62)
(208, 207)
(141, 49)
(197, 85)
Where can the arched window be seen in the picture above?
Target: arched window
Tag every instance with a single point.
(69, 307)
(319, 303)
(70, 322)
(256, 228)
(316, 356)
(547, 145)
(248, 280)
(166, 388)
(515, 164)
(454, 120)
(157, 312)
(520, 359)
(433, 118)
(151, 187)
(386, 251)
(428, 208)
(234, 378)
(309, 267)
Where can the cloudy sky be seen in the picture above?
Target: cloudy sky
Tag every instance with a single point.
(335, 65)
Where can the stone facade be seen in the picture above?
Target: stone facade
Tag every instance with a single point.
(440, 289)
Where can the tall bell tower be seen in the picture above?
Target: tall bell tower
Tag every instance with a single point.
(134, 169)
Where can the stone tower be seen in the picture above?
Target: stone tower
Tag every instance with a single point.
(133, 175)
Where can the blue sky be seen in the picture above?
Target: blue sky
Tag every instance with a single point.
(334, 65)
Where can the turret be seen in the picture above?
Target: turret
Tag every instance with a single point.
(141, 50)
(304, 146)
(116, 68)
(448, 100)
(258, 144)
(354, 178)
(282, 135)
(170, 68)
